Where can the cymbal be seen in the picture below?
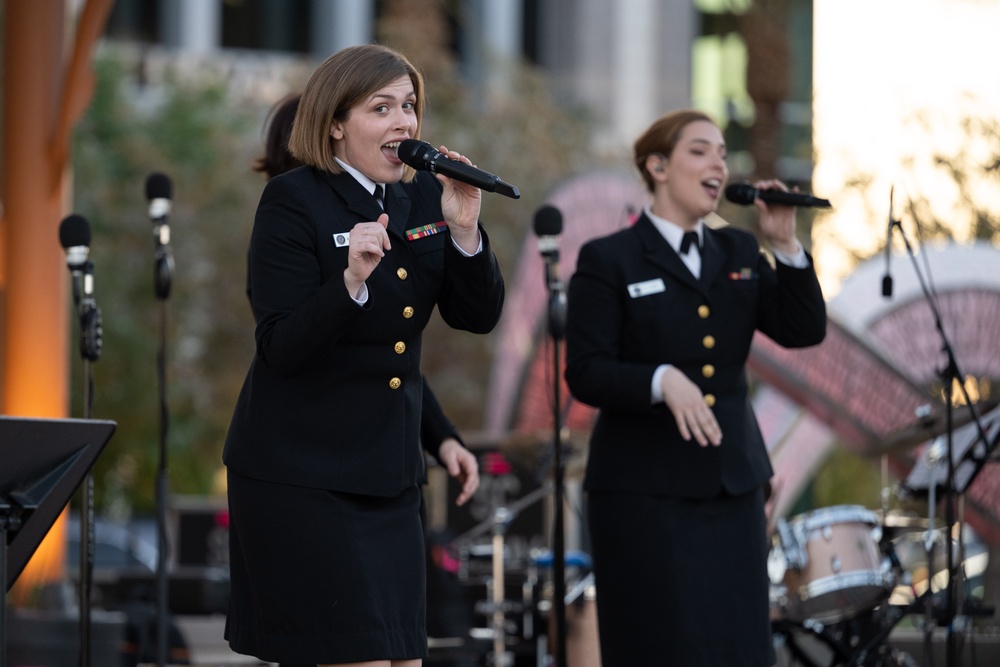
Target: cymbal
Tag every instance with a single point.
(906, 521)
(532, 450)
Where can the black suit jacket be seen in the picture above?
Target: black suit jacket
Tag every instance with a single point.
(633, 305)
(333, 395)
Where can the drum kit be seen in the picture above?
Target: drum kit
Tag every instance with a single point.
(835, 573)
(843, 577)
(507, 566)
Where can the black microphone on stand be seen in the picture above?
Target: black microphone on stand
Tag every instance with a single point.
(887, 278)
(74, 236)
(548, 226)
(158, 192)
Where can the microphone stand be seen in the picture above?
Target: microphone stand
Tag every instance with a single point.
(163, 270)
(89, 316)
(950, 375)
(556, 330)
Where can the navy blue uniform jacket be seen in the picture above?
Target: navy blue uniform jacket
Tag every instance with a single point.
(633, 305)
(333, 395)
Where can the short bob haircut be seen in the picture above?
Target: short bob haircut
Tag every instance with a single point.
(661, 139)
(344, 80)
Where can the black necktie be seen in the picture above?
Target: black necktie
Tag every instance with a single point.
(379, 196)
(689, 239)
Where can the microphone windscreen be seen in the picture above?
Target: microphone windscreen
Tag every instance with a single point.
(158, 186)
(741, 193)
(414, 153)
(548, 221)
(74, 231)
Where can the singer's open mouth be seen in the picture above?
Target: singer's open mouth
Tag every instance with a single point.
(391, 151)
(713, 186)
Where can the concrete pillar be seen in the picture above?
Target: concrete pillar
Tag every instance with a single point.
(336, 25)
(193, 26)
(492, 45)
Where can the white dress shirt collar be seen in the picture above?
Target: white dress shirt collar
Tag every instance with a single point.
(366, 182)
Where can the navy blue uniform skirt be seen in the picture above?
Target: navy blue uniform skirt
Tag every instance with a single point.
(681, 582)
(319, 576)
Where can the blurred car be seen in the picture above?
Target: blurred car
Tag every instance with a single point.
(125, 570)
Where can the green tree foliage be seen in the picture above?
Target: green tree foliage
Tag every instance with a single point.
(204, 142)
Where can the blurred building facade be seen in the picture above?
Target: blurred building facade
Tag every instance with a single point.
(624, 61)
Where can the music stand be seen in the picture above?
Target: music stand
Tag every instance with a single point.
(969, 455)
(44, 461)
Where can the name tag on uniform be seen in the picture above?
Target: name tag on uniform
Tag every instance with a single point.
(340, 239)
(646, 287)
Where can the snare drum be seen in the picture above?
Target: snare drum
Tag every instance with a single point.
(834, 568)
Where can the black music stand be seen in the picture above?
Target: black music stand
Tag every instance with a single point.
(969, 455)
(44, 461)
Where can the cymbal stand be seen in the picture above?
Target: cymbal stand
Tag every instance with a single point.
(951, 376)
(932, 458)
(497, 606)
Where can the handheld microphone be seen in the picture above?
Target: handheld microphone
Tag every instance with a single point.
(887, 278)
(548, 225)
(74, 236)
(423, 157)
(745, 194)
(158, 192)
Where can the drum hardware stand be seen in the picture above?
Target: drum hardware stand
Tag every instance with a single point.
(791, 546)
(950, 376)
(497, 606)
(842, 652)
(500, 656)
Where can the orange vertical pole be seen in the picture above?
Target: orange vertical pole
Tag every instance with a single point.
(34, 335)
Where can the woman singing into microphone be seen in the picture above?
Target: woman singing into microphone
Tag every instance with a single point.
(660, 320)
(323, 453)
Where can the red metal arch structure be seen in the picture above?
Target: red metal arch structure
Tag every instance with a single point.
(861, 388)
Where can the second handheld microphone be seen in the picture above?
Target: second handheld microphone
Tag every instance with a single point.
(745, 194)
